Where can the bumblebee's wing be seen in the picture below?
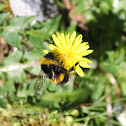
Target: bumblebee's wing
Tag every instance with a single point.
(40, 81)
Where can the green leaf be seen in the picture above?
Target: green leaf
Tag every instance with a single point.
(48, 28)
(37, 34)
(111, 63)
(21, 23)
(17, 76)
(99, 88)
(4, 16)
(13, 59)
(2, 90)
(109, 68)
(74, 2)
(48, 103)
(7, 88)
(120, 59)
(3, 102)
(10, 86)
(33, 55)
(51, 25)
(31, 86)
(123, 87)
(71, 28)
(52, 100)
(78, 96)
(106, 6)
(35, 70)
(36, 42)
(110, 56)
(13, 38)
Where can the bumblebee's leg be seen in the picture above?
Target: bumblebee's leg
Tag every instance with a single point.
(63, 87)
(72, 68)
(54, 77)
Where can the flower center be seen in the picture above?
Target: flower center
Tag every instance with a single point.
(68, 55)
(69, 59)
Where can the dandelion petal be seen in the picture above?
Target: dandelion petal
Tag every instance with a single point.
(77, 41)
(72, 37)
(79, 71)
(87, 60)
(45, 51)
(56, 41)
(87, 52)
(82, 49)
(67, 37)
(84, 64)
(52, 47)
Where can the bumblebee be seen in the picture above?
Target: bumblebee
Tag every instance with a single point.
(52, 68)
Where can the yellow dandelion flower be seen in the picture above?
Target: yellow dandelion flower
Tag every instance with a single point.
(71, 51)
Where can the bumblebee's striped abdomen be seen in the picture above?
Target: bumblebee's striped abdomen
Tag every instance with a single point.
(55, 74)
(61, 79)
(58, 79)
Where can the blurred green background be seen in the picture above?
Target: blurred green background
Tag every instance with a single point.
(98, 99)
